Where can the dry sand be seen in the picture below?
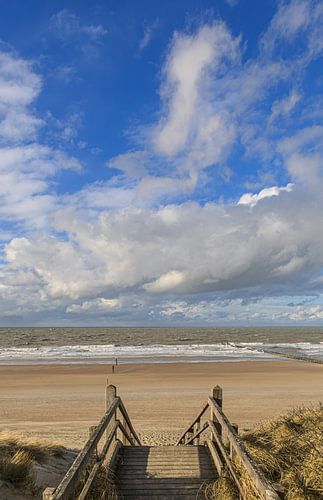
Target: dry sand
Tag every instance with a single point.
(61, 402)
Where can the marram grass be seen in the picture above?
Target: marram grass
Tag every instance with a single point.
(288, 450)
(18, 454)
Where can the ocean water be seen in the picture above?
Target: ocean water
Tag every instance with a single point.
(138, 345)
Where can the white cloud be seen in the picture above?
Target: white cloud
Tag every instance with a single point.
(166, 283)
(99, 305)
(189, 116)
(303, 313)
(179, 249)
(296, 20)
(19, 86)
(252, 199)
(26, 166)
(291, 18)
(123, 238)
(134, 164)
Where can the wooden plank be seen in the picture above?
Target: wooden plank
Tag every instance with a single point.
(126, 417)
(166, 495)
(215, 456)
(199, 415)
(171, 463)
(150, 469)
(164, 449)
(150, 493)
(163, 482)
(67, 486)
(217, 395)
(197, 427)
(126, 434)
(202, 429)
(209, 474)
(114, 458)
(110, 395)
(191, 451)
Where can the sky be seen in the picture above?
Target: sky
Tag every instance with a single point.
(161, 163)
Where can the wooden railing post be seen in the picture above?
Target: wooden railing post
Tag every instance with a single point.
(217, 395)
(110, 395)
(197, 427)
(94, 457)
(125, 425)
(232, 452)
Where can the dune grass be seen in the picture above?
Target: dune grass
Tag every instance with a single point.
(289, 451)
(103, 487)
(18, 454)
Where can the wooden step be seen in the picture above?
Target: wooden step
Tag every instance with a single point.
(184, 492)
(152, 483)
(163, 472)
(166, 465)
(153, 496)
(167, 473)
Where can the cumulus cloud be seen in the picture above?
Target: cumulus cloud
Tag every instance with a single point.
(184, 249)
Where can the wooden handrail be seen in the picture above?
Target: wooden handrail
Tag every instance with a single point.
(124, 431)
(196, 419)
(70, 483)
(203, 428)
(225, 455)
(67, 485)
(258, 478)
(90, 479)
(127, 419)
(220, 425)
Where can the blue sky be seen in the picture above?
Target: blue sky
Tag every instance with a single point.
(161, 164)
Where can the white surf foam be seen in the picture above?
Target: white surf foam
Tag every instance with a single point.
(151, 353)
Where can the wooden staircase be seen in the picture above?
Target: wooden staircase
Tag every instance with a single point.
(163, 472)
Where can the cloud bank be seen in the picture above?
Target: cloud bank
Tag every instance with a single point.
(145, 245)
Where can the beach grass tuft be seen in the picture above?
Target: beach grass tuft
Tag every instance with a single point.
(17, 468)
(289, 451)
(39, 449)
(18, 454)
(103, 487)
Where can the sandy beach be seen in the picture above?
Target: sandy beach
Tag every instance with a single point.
(61, 402)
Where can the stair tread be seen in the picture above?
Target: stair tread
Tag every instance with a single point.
(163, 471)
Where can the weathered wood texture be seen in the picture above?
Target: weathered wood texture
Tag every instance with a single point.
(221, 430)
(163, 471)
(89, 457)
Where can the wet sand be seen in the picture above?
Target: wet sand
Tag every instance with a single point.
(61, 402)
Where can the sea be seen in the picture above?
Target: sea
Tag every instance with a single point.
(88, 345)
